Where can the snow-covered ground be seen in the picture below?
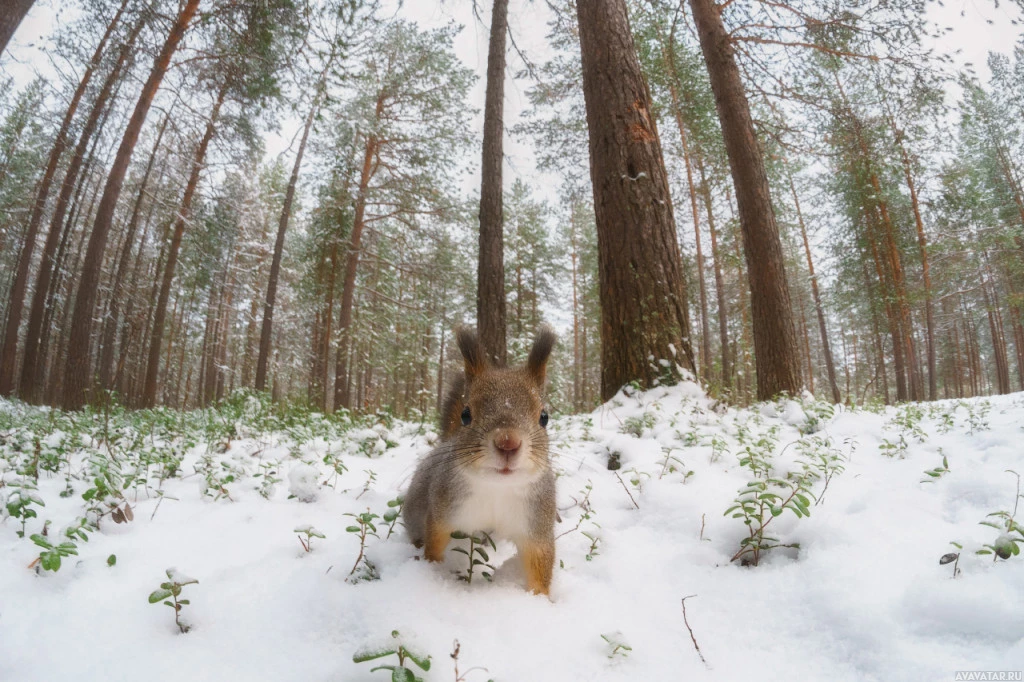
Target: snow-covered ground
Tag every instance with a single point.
(863, 597)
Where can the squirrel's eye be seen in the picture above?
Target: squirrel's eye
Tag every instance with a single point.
(466, 416)
(544, 418)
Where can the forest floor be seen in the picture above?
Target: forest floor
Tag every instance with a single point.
(872, 497)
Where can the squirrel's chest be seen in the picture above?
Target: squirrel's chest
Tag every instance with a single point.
(500, 507)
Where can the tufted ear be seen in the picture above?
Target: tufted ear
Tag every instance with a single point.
(469, 345)
(537, 363)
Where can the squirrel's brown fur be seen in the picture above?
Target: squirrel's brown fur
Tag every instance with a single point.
(492, 472)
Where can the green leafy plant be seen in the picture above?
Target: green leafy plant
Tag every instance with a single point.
(50, 558)
(768, 495)
(1011, 533)
(400, 672)
(170, 594)
(363, 529)
(309, 532)
(937, 472)
(476, 554)
(616, 644)
(392, 515)
(22, 496)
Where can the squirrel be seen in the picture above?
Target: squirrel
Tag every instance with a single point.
(490, 471)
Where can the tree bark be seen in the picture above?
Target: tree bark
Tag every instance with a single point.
(723, 308)
(16, 301)
(78, 381)
(643, 293)
(775, 345)
(818, 307)
(110, 322)
(490, 297)
(275, 264)
(184, 213)
(33, 366)
(342, 394)
(10, 18)
(922, 243)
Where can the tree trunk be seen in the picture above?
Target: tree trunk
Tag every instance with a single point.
(16, 301)
(643, 293)
(922, 242)
(10, 17)
(184, 213)
(110, 322)
(723, 309)
(342, 395)
(275, 264)
(668, 57)
(78, 381)
(818, 307)
(490, 295)
(775, 345)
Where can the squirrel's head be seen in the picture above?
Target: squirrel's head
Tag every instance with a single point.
(504, 422)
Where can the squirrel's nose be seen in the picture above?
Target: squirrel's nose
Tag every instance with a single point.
(507, 444)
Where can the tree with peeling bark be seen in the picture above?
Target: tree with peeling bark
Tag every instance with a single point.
(645, 328)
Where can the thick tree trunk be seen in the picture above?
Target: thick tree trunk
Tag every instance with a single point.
(78, 381)
(184, 214)
(775, 344)
(10, 18)
(275, 264)
(16, 300)
(643, 293)
(818, 307)
(490, 296)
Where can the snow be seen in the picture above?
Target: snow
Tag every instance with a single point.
(863, 597)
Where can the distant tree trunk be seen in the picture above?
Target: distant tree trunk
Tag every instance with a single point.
(775, 345)
(10, 17)
(643, 294)
(574, 243)
(275, 264)
(723, 309)
(818, 307)
(922, 242)
(342, 394)
(184, 214)
(77, 379)
(110, 322)
(668, 54)
(16, 300)
(490, 296)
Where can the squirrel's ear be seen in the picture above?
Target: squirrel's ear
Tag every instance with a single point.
(476, 362)
(537, 363)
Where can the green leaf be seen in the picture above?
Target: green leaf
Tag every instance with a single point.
(159, 595)
(402, 675)
(111, 560)
(353, 529)
(458, 535)
(371, 654)
(41, 541)
(421, 661)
